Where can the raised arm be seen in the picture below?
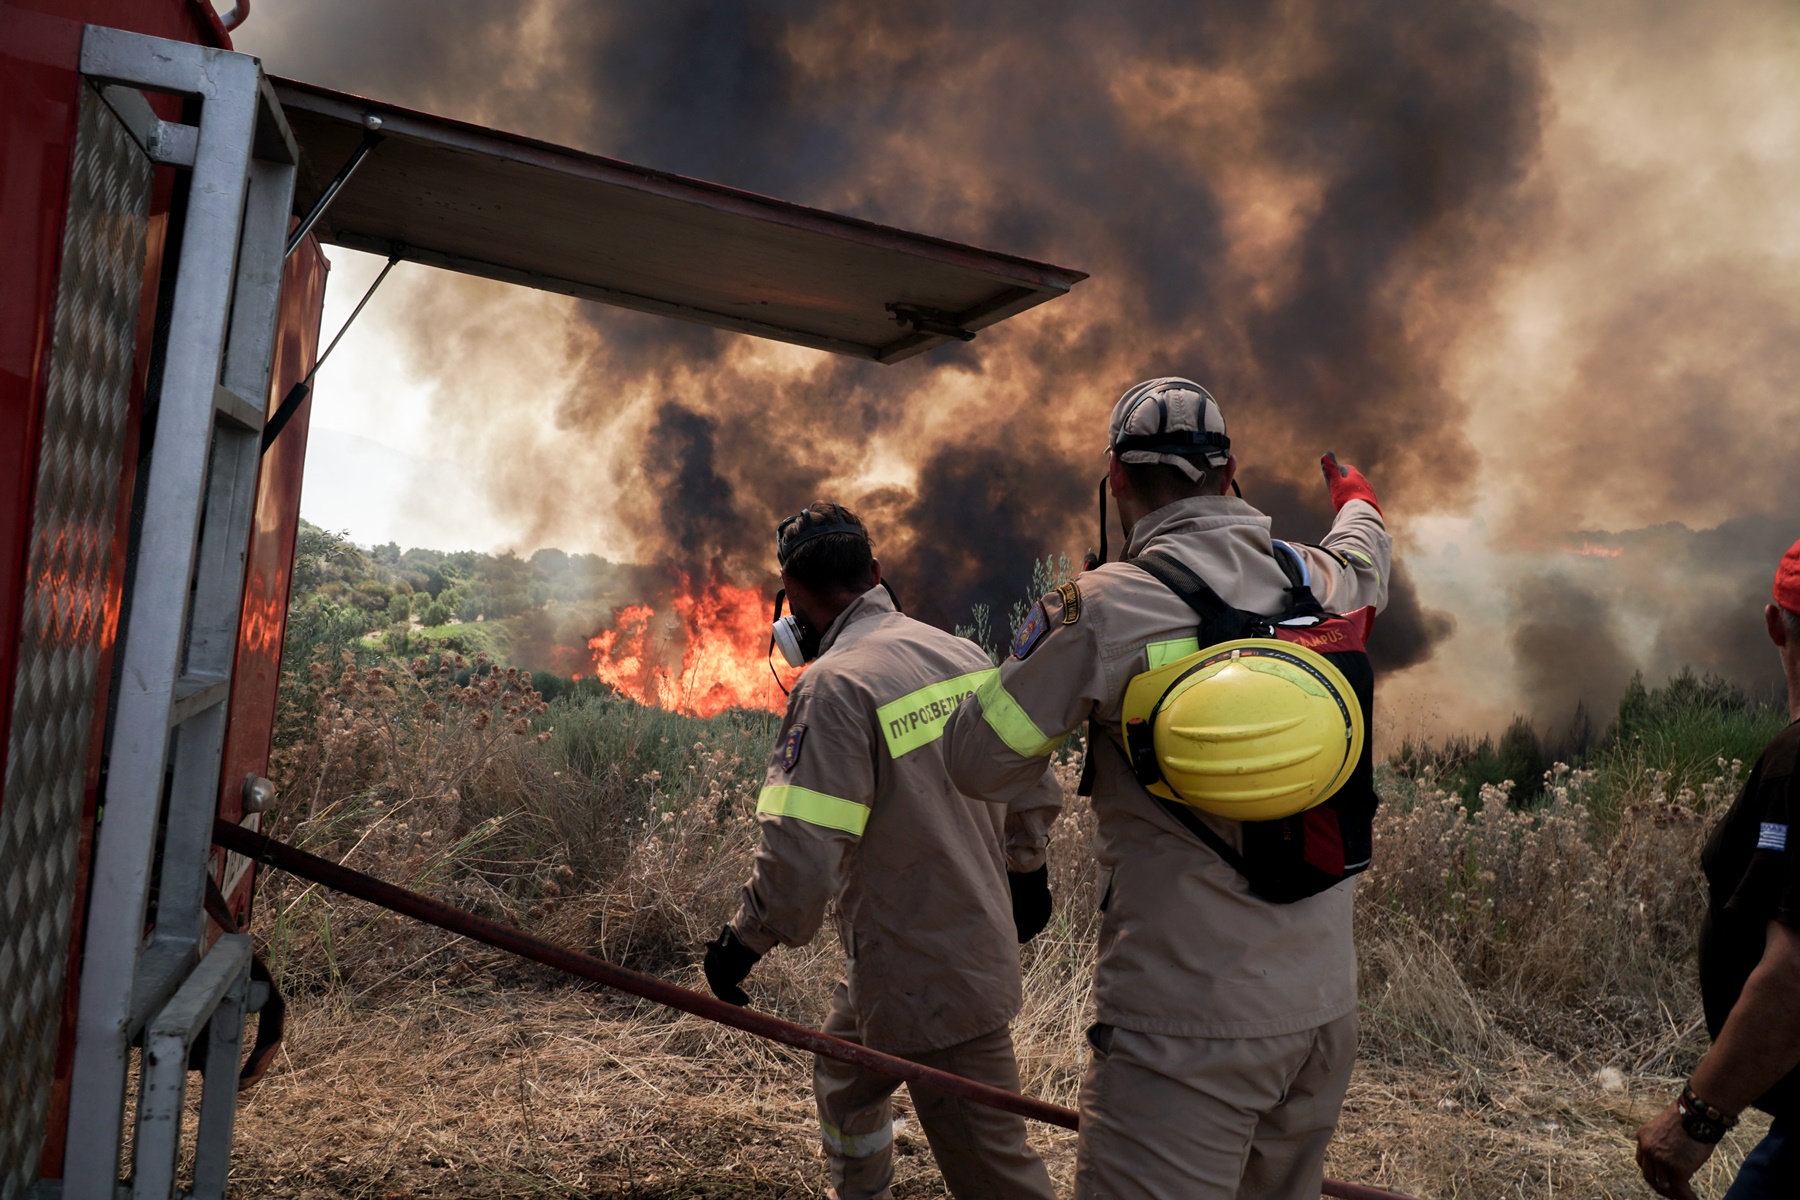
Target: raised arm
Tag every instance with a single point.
(1349, 568)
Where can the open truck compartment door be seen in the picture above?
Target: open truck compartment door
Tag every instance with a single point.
(454, 195)
(146, 595)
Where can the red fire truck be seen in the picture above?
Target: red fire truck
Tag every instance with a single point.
(163, 204)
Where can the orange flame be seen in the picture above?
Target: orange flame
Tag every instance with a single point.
(1596, 550)
(706, 654)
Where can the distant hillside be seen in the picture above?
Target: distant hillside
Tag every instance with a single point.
(530, 612)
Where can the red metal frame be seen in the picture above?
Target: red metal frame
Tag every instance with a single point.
(256, 676)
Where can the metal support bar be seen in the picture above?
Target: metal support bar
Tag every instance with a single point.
(164, 142)
(267, 850)
(162, 965)
(215, 992)
(218, 1102)
(290, 403)
(194, 694)
(371, 138)
(175, 145)
(237, 410)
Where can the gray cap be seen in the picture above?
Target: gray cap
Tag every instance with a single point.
(1170, 420)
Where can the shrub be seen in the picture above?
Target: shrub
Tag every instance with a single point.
(1541, 910)
(397, 770)
(626, 828)
(1670, 739)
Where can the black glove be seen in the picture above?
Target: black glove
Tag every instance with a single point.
(728, 961)
(1030, 901)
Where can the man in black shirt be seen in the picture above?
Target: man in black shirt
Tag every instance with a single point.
(1749, 965)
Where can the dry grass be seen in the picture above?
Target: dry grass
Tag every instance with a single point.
(522, 1091)
(1526, 977)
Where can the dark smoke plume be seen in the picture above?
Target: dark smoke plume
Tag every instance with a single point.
(1263, 194)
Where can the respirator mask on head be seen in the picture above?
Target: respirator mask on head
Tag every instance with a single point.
(797, 641)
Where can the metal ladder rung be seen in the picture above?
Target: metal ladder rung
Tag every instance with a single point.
(193, 1002)
(162, 965)
(215, 988)
(236, 409)
(194, 694)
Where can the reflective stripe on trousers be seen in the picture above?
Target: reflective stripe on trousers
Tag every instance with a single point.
(856, 1145)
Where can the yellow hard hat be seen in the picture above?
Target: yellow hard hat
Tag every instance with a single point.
(1252, 730)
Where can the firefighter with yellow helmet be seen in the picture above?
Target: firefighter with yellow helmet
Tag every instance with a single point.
(1224, 698)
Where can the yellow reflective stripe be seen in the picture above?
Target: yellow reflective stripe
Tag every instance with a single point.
(918, 718)
(1163, 653)
(815, 808)
(1359, 556)
(1012, 723)
(855, 1145)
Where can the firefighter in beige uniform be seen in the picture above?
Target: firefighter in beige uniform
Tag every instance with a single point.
(1226, 1024)
(859, 809)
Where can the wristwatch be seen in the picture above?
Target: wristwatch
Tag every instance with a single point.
(1702, 1121)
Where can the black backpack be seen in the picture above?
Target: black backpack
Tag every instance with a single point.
(1302, 855)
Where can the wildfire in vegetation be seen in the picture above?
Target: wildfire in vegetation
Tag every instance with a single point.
(1345, 219)
(707, 651)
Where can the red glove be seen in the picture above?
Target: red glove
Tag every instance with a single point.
(1346, 484)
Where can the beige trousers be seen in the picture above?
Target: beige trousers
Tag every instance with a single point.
(1171, 1118)
(981, 1152)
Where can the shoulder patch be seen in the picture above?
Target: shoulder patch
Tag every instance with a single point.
(1071, 598)
(790, 746)
(1772, 836)
(1031, 631)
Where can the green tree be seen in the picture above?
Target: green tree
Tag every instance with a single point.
(371, 595)
(321, 555)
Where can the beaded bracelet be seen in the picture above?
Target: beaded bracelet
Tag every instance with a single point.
(1703, 1122)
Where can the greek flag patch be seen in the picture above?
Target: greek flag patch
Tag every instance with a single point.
(1772, 837)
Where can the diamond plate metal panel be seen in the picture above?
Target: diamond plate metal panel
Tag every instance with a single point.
(64, 616)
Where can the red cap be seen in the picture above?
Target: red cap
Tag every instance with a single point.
(1787, 580)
